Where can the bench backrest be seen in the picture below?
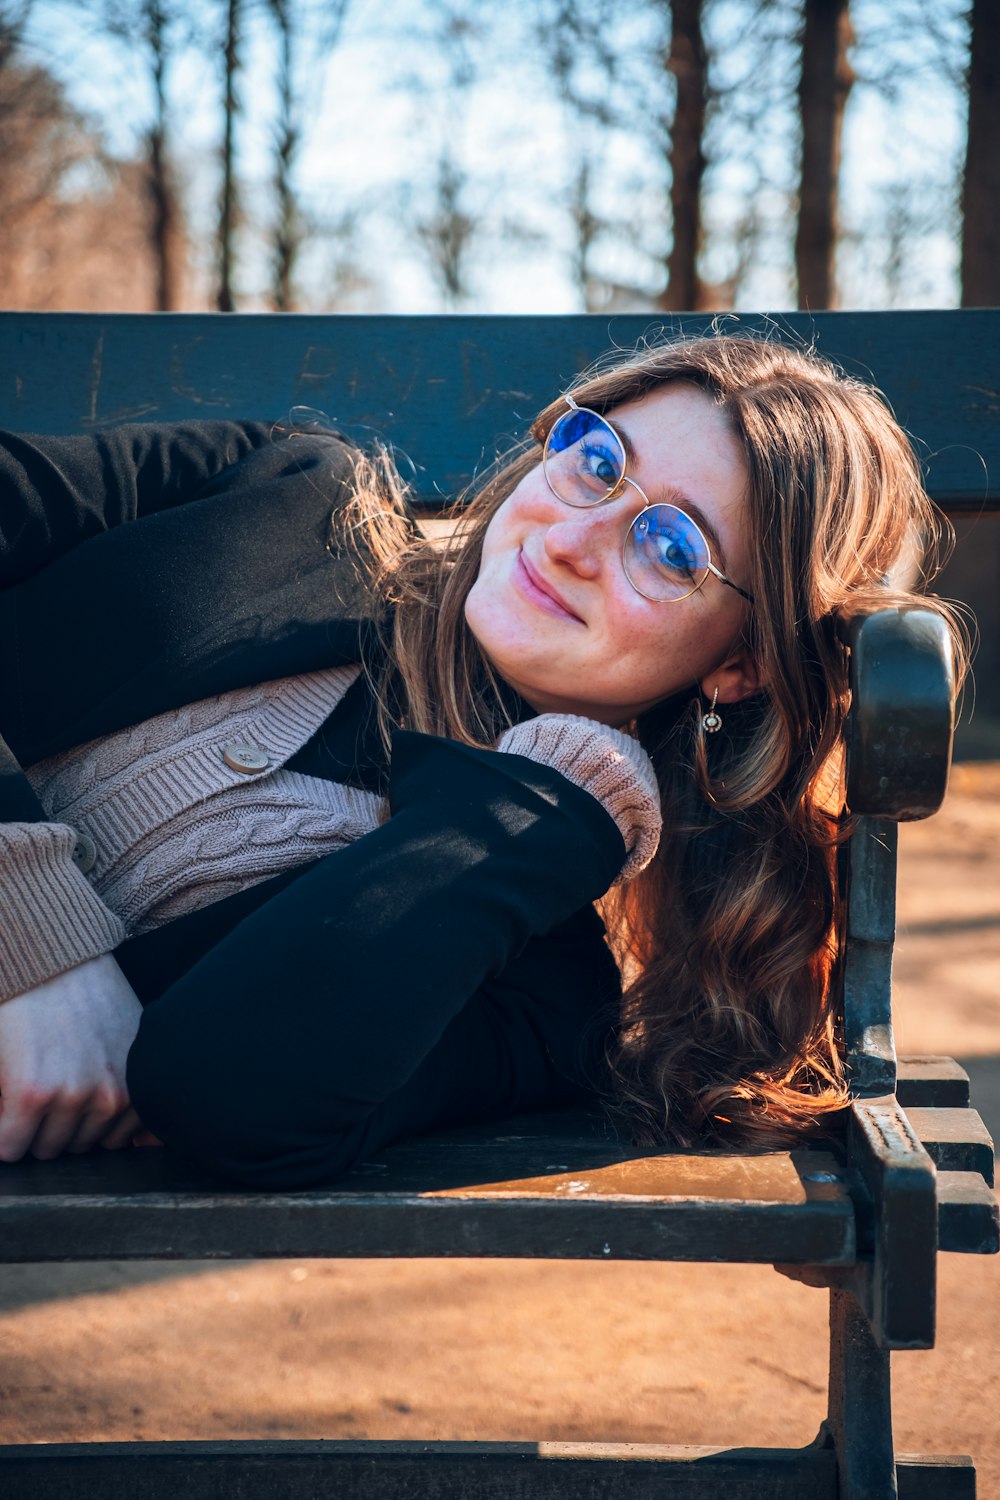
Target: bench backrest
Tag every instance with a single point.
(442, 390)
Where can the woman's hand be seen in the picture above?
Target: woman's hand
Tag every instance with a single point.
(63, 1047)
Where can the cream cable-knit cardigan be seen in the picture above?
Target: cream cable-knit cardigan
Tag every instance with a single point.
(153, 822)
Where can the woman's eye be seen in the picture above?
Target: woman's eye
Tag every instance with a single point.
(668, 547)
(599, 464)
(676, 558)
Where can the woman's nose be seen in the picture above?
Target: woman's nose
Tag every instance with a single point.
(585, 540)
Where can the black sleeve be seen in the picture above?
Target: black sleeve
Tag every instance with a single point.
(398, 984)
(56, 492)
(224, 577)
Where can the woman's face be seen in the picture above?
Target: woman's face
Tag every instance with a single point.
(552, 607)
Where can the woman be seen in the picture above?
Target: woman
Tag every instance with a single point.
(343, 799)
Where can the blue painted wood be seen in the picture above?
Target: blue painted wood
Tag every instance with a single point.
(444, 390)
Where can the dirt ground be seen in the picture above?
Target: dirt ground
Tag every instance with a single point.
(520, 1350)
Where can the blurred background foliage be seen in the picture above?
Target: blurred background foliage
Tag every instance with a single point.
(540, 155)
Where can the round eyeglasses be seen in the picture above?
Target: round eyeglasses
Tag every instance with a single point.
(665, 554)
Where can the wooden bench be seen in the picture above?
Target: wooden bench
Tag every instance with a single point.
(865, 1215)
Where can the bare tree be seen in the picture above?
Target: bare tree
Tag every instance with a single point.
(228, 205)
(163, 200)
(646, 80)
(981, 182)
(14, 18)
(824, 84)
(587, 225)
(447, 230)
(59, 190)
(42, 140)
(579, 51)
(287, 135)
(350, 277)
(687, 62)
(291, 24)
(150, 27)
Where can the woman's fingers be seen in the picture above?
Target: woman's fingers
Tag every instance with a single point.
(20, 1118)
(122, 1132)
(63, 1126)
(58, 1128)
(101, 1124)
(63, 1049)
(66, 1125)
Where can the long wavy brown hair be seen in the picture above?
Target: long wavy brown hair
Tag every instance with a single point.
(728, 941)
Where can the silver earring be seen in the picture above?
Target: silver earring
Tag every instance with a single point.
(711, 722)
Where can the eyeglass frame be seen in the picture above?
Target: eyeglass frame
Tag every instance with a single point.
(648, 504)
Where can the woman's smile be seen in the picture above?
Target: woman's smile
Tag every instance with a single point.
(539, 592)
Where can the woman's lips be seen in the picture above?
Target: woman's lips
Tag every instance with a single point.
(538, 592)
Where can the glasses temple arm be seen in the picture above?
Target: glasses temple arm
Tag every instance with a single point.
(729, 583)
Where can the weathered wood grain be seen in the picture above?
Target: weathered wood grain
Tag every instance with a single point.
(449, 1471)
(968, 1214)
(547, 1186)
(928, 1082)
(413, 1471)
(443, 390)
(956, 1140)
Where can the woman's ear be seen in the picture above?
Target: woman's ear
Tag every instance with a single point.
(735, 679)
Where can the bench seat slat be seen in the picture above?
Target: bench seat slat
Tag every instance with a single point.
(968, 1214)
(548, 1186)
(931, 1083)
(955, 1139)
(369, 1470)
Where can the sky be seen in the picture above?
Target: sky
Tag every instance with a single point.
(380, 110)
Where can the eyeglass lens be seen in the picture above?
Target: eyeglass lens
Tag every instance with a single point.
(665, 554)
(584, 458)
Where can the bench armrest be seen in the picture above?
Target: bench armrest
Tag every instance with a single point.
(901, 722)
(899, 736)
(899, 1176)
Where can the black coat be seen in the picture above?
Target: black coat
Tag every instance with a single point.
(446, 967)
(228, 580)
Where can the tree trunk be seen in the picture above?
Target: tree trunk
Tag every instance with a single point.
(586, 226)
(824, 85)
(981, 185)
(163, 224)
(227, 208)
(163, 215)
(11, 36)
(287, 232)
(688, 62)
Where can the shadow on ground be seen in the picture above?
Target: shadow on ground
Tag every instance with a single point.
(23, 1286)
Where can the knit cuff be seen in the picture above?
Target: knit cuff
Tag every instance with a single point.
(610, 765)
(51, 919)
